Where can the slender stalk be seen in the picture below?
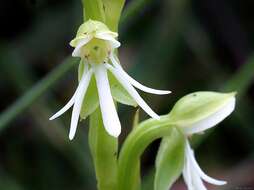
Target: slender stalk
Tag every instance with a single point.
(104, 152)
(34, 93)
(133, 147)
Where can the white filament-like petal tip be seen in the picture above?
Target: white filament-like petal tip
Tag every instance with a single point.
(133, 93)
(135, 83)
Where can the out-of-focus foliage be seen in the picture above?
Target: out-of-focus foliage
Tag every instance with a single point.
(180, 45)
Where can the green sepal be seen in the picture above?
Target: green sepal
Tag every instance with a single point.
(197, 106)
(169, 160)
(119, 93)
(104, 150)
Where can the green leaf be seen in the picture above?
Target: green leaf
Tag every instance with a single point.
(104, 152)
(119, 93)
(113, 10)
(169, 160)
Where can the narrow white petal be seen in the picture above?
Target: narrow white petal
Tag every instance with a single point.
(108, 110)
(187, 174)
(134, 82)
(131, 90)
(76, 51)
(197, 181)
(71, 101)
(81, 91)
(191, 177)
(110, 38)
(196, 167)
(212, 120)
(65, 108)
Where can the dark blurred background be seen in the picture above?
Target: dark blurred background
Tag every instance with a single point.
(180, 45)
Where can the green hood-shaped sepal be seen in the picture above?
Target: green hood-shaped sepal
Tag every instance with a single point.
(202, 108)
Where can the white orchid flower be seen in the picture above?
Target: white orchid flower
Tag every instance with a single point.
(95, 45)
(194, 114)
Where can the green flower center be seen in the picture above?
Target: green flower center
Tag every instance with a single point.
(96, 51)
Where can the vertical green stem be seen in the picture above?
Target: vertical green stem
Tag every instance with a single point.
(104, 152)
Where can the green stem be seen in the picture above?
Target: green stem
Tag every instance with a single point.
(133, 147)
(104, 152)
(34, 93)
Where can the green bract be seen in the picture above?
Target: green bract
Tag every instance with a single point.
(169, 160)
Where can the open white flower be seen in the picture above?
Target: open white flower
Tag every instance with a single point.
(192, 173)
(95, 45)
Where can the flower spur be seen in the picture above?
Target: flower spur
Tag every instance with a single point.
(95, 45)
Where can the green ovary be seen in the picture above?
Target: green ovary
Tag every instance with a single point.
(96, 51)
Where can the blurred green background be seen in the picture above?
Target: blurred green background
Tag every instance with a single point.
(180, 45)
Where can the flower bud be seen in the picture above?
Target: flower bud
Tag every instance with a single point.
(199, 111)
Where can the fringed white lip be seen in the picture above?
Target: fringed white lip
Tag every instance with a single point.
(193, 174)
(131, 90)
(133, 81)
(212, 120)
(108, 110)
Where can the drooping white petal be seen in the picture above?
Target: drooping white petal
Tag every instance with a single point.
(134, 82)
(199, 170)
(70, 102)
(105, 36)
(76, 51)
(81, 91)
(212, 120)
(65, 108)
(187, 174)
(197, 181)
(108, 110)
(191, 177)
(131, 90)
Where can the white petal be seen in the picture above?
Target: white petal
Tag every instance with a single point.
(212, 120)
(191, 177)
(108, 110)
(187, 174)
(81, 91)
(197, 181)
(199, 170)
(65, 108)
(131, 90)
(71, 101)
(110, 38)
(76, 51)
(134, 82)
